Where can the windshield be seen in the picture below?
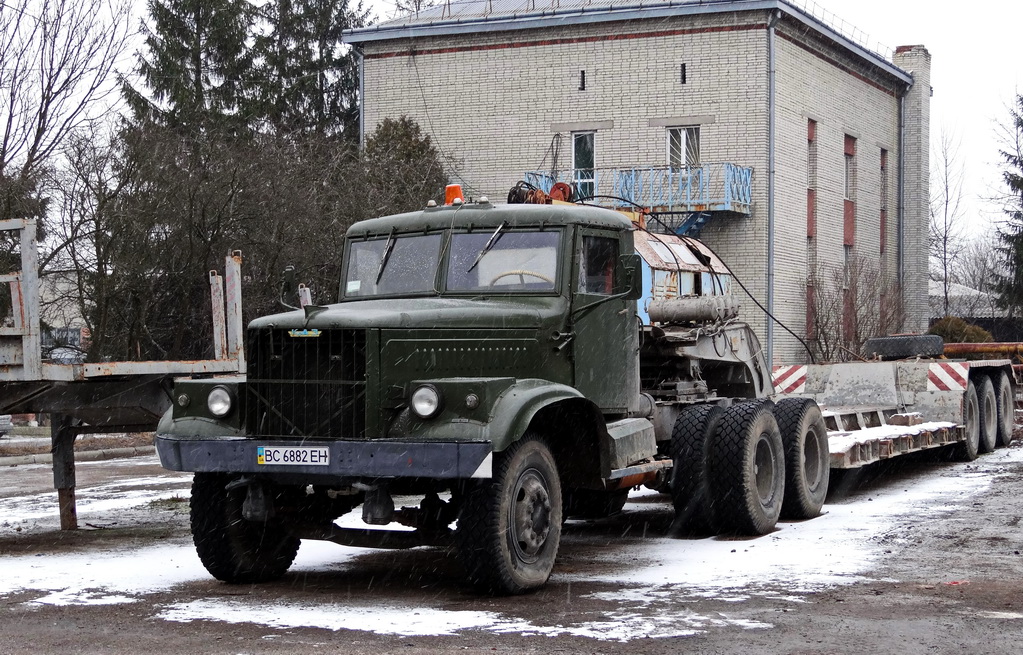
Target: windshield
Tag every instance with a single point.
(516, 261)
(410, 267)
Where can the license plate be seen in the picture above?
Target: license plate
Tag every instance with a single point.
(293, 456)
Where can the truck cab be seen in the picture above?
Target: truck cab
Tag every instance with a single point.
(490, 359)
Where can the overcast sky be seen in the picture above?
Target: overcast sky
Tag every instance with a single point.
(975, 73)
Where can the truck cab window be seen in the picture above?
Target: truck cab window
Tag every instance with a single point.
(597, 265)
(518, 261)
(410, 268)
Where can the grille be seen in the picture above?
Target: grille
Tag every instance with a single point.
(306, 386)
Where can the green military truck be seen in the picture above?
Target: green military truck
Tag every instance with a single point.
(510, 366)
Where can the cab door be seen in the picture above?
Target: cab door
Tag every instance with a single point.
(603, 319)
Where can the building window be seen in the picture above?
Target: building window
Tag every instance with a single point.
(683, 146)
(583, 163)
(811, 227)
(811, 179)
(849, 232)
(884, 199)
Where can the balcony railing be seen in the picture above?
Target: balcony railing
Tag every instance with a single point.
(708, 188)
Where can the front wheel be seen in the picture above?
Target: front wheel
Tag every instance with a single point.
(510, 527)
(232, 548)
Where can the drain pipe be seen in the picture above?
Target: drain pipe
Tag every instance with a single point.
(357, 49)
(900, 221)
(771, 22)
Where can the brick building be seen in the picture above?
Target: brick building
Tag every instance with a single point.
(795, 151)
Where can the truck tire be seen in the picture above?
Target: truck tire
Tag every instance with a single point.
(807, 458)
(694, 429)
(231, 548)
(966, 451)
(911, 345)
(1006, 408)
(987, 403)
(747, 470)
(594, 503)
(509, 528)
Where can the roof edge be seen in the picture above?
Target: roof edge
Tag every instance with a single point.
(584, 16)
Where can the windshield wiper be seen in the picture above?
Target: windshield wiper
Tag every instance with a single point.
(494, 238)
(388, 247)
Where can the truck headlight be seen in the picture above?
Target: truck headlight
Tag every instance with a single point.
(426, 401)
(219, 402)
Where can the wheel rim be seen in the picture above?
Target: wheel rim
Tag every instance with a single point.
(530, 514)
(764, 469)
(990, 413)
(812, 459)
(972, 422)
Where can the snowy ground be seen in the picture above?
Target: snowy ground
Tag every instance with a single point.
(618, 581)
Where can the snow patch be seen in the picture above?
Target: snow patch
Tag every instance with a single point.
(653, 579)
(419, 621)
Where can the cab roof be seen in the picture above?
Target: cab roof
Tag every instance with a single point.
(485, 215)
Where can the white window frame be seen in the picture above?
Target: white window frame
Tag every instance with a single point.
(683, 130)
(579, 181)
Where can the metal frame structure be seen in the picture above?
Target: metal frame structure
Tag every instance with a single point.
(101, 396)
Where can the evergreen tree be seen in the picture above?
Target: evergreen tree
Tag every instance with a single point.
(197, 65)
(1010, 234)
(306, 79)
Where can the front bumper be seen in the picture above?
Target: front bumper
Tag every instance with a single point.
(348, 459)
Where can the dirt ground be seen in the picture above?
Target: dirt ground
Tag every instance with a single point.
(941, 573)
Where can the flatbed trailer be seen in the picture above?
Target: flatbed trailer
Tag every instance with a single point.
(920, 404)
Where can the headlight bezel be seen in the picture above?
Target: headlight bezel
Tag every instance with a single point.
(426, 401)
(224, 400)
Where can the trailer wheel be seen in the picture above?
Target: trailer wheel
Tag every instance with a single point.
(967, 450)
(693, 430)
(594, 503)
(232, 548)
(1006, 408)
(807, 458)
(987, 403)
(747, 470)
(510, 526)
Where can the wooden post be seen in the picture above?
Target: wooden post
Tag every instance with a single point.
(62, 437)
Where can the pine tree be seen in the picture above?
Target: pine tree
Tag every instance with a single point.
(197, 65)
(1010, 234)
(307, 80)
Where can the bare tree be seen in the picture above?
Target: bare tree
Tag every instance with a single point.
(57, 61)
(413, 6)
(852, 303)
(947, 212)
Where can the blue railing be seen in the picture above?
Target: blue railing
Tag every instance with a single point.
(707, 188)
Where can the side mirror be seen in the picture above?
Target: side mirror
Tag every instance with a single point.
(630, 276)
(289, 289)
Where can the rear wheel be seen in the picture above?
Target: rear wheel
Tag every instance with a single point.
(966, 450)
(987, 404)
(807, 458)
(747, 470)
(510, 527)
(232, 548)
(1006, 408)
(694, 429)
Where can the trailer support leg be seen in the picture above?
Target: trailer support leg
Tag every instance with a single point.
(62, 437)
